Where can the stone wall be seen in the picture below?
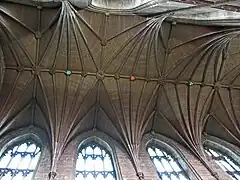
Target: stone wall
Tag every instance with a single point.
(123, 165)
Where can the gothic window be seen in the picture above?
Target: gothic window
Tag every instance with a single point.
(168, 168)
(18, 162)
(94, 163)
(227, 163)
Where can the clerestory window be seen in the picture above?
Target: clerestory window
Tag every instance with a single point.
(227, 163)
(19, 162)
(168, 168)
(94, 163)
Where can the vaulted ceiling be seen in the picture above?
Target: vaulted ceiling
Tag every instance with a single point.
(68, 70)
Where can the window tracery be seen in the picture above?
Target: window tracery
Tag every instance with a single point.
(168, 167)
(18, 162)
(94, 163)
(228, 164)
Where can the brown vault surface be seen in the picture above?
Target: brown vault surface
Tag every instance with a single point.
(67, 71)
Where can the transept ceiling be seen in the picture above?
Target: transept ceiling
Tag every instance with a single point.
(69, 70)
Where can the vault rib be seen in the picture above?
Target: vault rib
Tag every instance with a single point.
(34, 97)
(135, 43)
(207, 104)
(173, 110)
(228, 115)
(142, 126)
(167, 51)
(141, 59)
(182, 117)
(119, 122)
(125, 124)
(76, 96)
(83, 100)
(4, 127)
(64, 104)
(142, 42)
(9, 95)
(149, 47)
(68, 41)
(60, 38)
(4, 119)
(55, 125)
(73, 131)
(124, 45)
(130, 28)
(111, 120)
(56, 18)
(16, 20)
(207, 35)
(173, 127)
(89, 26)
(78, 44)
(12, 49)
(140, 101)
(98, 106)
(49, 44)
(226, 129)
(19, 44)
(155, 51)
(48, 126)
(85, 41)
(234, 111)
(188, 99)
(49, 111)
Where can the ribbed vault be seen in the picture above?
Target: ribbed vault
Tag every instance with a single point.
(69, 71)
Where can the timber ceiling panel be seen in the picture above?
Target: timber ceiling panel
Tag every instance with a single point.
(68, 71)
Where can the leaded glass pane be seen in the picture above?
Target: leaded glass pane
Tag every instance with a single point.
(94, 163)
(225, 162)
(167, 167)
(19, 162)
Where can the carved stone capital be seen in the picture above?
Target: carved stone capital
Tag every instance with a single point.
(100, 75)
(217, 86)
(140, 175)
(117, 76)
(52, 175)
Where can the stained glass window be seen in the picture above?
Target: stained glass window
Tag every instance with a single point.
(168, 168)
(227, 163)
(94, 163)
(19, 162)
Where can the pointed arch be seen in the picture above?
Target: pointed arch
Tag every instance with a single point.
(20, 160)
(167, 158)
(96, 157)
(224, 154)
(21, 153)
(166, 164)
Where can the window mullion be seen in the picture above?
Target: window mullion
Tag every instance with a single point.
(28, 168)
(12, 157)
(235, 170)
(21, 155)
(22, 158)
(226, 165)
(163, 158)
(97, 155)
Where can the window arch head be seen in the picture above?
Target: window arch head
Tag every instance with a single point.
(228, 161)
(168, 167)
(94, 162)
(19, 160)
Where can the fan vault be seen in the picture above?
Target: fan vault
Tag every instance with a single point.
(128, 75)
